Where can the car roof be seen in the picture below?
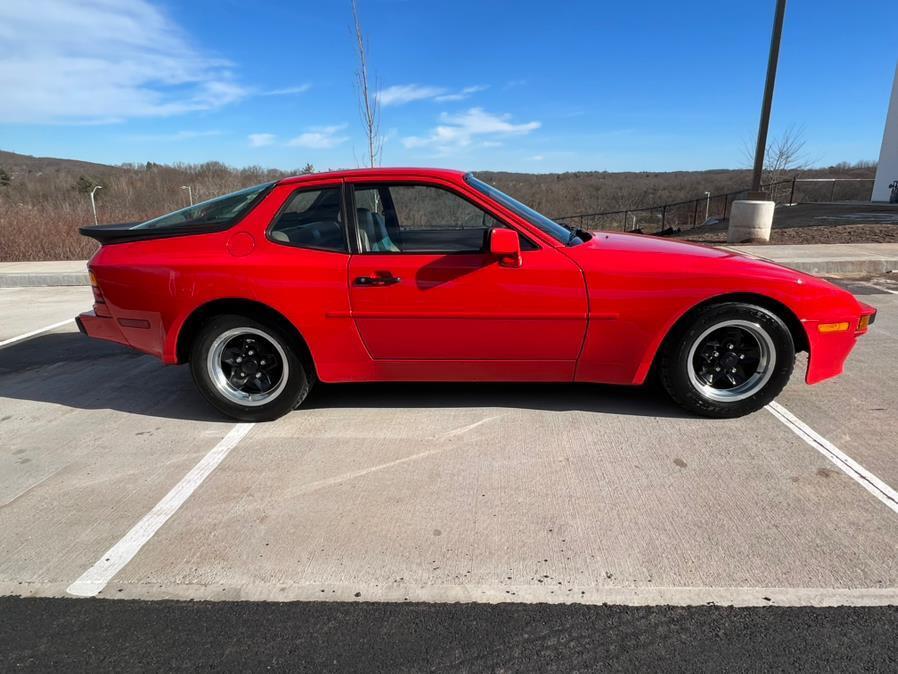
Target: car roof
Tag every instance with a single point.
(377, 172)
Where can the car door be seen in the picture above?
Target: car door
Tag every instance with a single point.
(423, 287)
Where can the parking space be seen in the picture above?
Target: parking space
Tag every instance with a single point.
(856, 412)
(438, 492)
(25, 310)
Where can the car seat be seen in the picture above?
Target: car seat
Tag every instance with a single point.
(373, 231)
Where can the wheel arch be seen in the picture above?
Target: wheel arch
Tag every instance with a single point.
(243, 307)
(782, 311)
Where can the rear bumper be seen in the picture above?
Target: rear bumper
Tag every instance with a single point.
(100, 327)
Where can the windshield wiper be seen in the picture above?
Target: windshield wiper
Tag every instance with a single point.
(575, 233)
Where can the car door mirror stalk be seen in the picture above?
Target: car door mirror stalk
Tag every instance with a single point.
(505, 244)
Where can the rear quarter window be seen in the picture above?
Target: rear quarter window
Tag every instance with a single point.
(311, 218)
(218, 211)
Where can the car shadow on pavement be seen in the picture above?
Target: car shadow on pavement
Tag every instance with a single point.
(69, 369)
(647, 401)
(66, 368)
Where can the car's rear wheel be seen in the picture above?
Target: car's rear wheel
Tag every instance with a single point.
(247, 369)
(731, 359)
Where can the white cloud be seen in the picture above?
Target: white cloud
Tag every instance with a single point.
(288, 91)
(320, 137)
(103, 61)
(400, 94)
(536, 157)
(459, 131)
(460, 95)
(261, 139)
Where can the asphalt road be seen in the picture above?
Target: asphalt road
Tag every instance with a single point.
(365, 512)
(97, 635)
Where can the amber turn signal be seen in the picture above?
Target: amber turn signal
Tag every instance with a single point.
(833, 327)
(864, 323)
(98, 294)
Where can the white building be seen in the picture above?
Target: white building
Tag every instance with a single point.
(887, 171)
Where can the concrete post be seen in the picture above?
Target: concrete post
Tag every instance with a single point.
(750, 221)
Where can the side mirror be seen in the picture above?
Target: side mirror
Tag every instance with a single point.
(505, 244)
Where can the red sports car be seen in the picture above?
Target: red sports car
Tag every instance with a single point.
(433, 275)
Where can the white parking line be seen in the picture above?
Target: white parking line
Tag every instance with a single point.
(96, 577)
(34, 333)
(845, 463)
(885, 290)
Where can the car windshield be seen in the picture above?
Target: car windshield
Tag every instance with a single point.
(558, 232)
(214, 211)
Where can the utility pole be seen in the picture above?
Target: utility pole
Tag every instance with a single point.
(93, 203)
(707, 204)
(767, 103)
(751, 219)
(189, 192)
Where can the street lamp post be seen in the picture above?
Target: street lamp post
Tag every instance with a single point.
(707, 204)
(93, 203)
(189, 192)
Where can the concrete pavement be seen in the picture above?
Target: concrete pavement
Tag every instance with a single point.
(483, 493)
(26, 309)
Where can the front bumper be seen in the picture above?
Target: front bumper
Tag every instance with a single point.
(830, 350)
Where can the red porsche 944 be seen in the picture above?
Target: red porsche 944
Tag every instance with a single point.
(433, 275)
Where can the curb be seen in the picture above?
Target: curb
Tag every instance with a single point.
(824, 267)
(45, 280)
(846, 262)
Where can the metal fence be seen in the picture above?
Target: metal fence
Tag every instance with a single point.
(694, 212)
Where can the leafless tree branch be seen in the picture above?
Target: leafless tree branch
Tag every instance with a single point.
(369, 108)
(784, 157)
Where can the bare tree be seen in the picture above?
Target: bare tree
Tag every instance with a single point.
(369, 107)
(784, 158)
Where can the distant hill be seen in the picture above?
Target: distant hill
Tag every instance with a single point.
(43, 200)
(20, 165)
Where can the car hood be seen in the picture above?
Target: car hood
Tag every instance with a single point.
(661, 254)
(631, 261)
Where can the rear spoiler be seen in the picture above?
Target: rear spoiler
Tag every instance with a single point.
(125, 232)
(109, 233)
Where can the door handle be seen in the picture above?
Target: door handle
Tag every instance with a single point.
(377, 280)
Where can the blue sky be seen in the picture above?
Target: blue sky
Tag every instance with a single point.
(485, 84)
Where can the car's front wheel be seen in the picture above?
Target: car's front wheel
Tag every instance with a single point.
(247, 369)
(730, 360)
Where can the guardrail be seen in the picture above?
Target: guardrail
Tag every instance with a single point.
(694, 212)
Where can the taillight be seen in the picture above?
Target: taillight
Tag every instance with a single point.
(94, 286)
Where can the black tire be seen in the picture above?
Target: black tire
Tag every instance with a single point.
(701, 390)
(286, 392)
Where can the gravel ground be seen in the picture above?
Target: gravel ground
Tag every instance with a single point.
(869, 233)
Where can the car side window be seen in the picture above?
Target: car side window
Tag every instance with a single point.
(311, 218)
(420, 219)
